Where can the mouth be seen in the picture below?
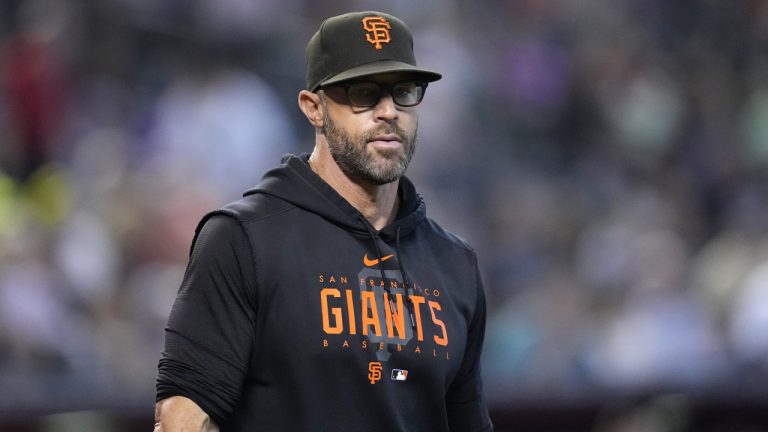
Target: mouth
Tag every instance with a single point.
(386, 141)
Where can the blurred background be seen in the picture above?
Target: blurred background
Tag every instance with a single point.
(607, 160)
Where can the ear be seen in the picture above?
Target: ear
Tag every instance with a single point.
(311, 106)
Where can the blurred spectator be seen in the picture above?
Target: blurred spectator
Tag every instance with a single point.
(221, 128)
(35, 86)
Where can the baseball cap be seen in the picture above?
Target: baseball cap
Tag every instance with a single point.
(359, 44)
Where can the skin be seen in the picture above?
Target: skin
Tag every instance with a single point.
(375, 196)
(180, 414)
(377, 201)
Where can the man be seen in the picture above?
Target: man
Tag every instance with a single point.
(325, 300)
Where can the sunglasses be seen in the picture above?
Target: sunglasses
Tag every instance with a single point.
(366, 94)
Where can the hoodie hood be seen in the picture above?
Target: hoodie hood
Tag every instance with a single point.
(295, 182)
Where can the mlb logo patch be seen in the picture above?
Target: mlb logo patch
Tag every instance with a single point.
(399, 374)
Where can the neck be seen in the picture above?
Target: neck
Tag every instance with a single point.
(377, 203)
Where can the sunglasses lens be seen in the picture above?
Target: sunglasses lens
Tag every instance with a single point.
(367, 94)
(407, 93)
(364, 94)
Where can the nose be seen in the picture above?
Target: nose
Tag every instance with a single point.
(385, 109)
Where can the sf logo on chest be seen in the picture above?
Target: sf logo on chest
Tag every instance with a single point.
(377, 30)
(374, 372)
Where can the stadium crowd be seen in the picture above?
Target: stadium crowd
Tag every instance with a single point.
(608, 161)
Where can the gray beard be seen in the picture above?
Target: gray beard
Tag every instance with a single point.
(357, 163)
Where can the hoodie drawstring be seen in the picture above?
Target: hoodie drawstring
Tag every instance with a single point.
(406, 284)
(387, 287)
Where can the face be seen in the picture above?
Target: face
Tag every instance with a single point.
(373, 145)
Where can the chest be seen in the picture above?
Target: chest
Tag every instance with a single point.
(396, 316)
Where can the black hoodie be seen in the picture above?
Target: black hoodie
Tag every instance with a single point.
(294, 316)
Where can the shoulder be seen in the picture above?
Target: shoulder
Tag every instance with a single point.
(440, 234)
(449, 246)
(232, 220)
(254, 207)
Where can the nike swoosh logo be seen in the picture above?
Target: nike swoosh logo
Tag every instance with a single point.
(370, 262)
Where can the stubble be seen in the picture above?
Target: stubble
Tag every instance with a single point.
(359, 162)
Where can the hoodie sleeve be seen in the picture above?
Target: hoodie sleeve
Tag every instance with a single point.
(209, 335)
(467, 410)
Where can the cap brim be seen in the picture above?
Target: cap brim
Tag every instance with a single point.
(382, 67)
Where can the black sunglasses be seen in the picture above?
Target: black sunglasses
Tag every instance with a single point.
(366, 94)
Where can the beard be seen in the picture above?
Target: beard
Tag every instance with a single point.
(358, 162)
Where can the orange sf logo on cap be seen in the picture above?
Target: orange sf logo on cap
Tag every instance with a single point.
(377, 30)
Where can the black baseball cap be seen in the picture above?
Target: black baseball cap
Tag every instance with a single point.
(360, 44)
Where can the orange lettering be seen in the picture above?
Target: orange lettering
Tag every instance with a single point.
(417, 350)
(442, 340)
(417, 300)
(345, 344)
(399, 317)
(351, 313)
(325, 343)
(372, 319)
(327, 327)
